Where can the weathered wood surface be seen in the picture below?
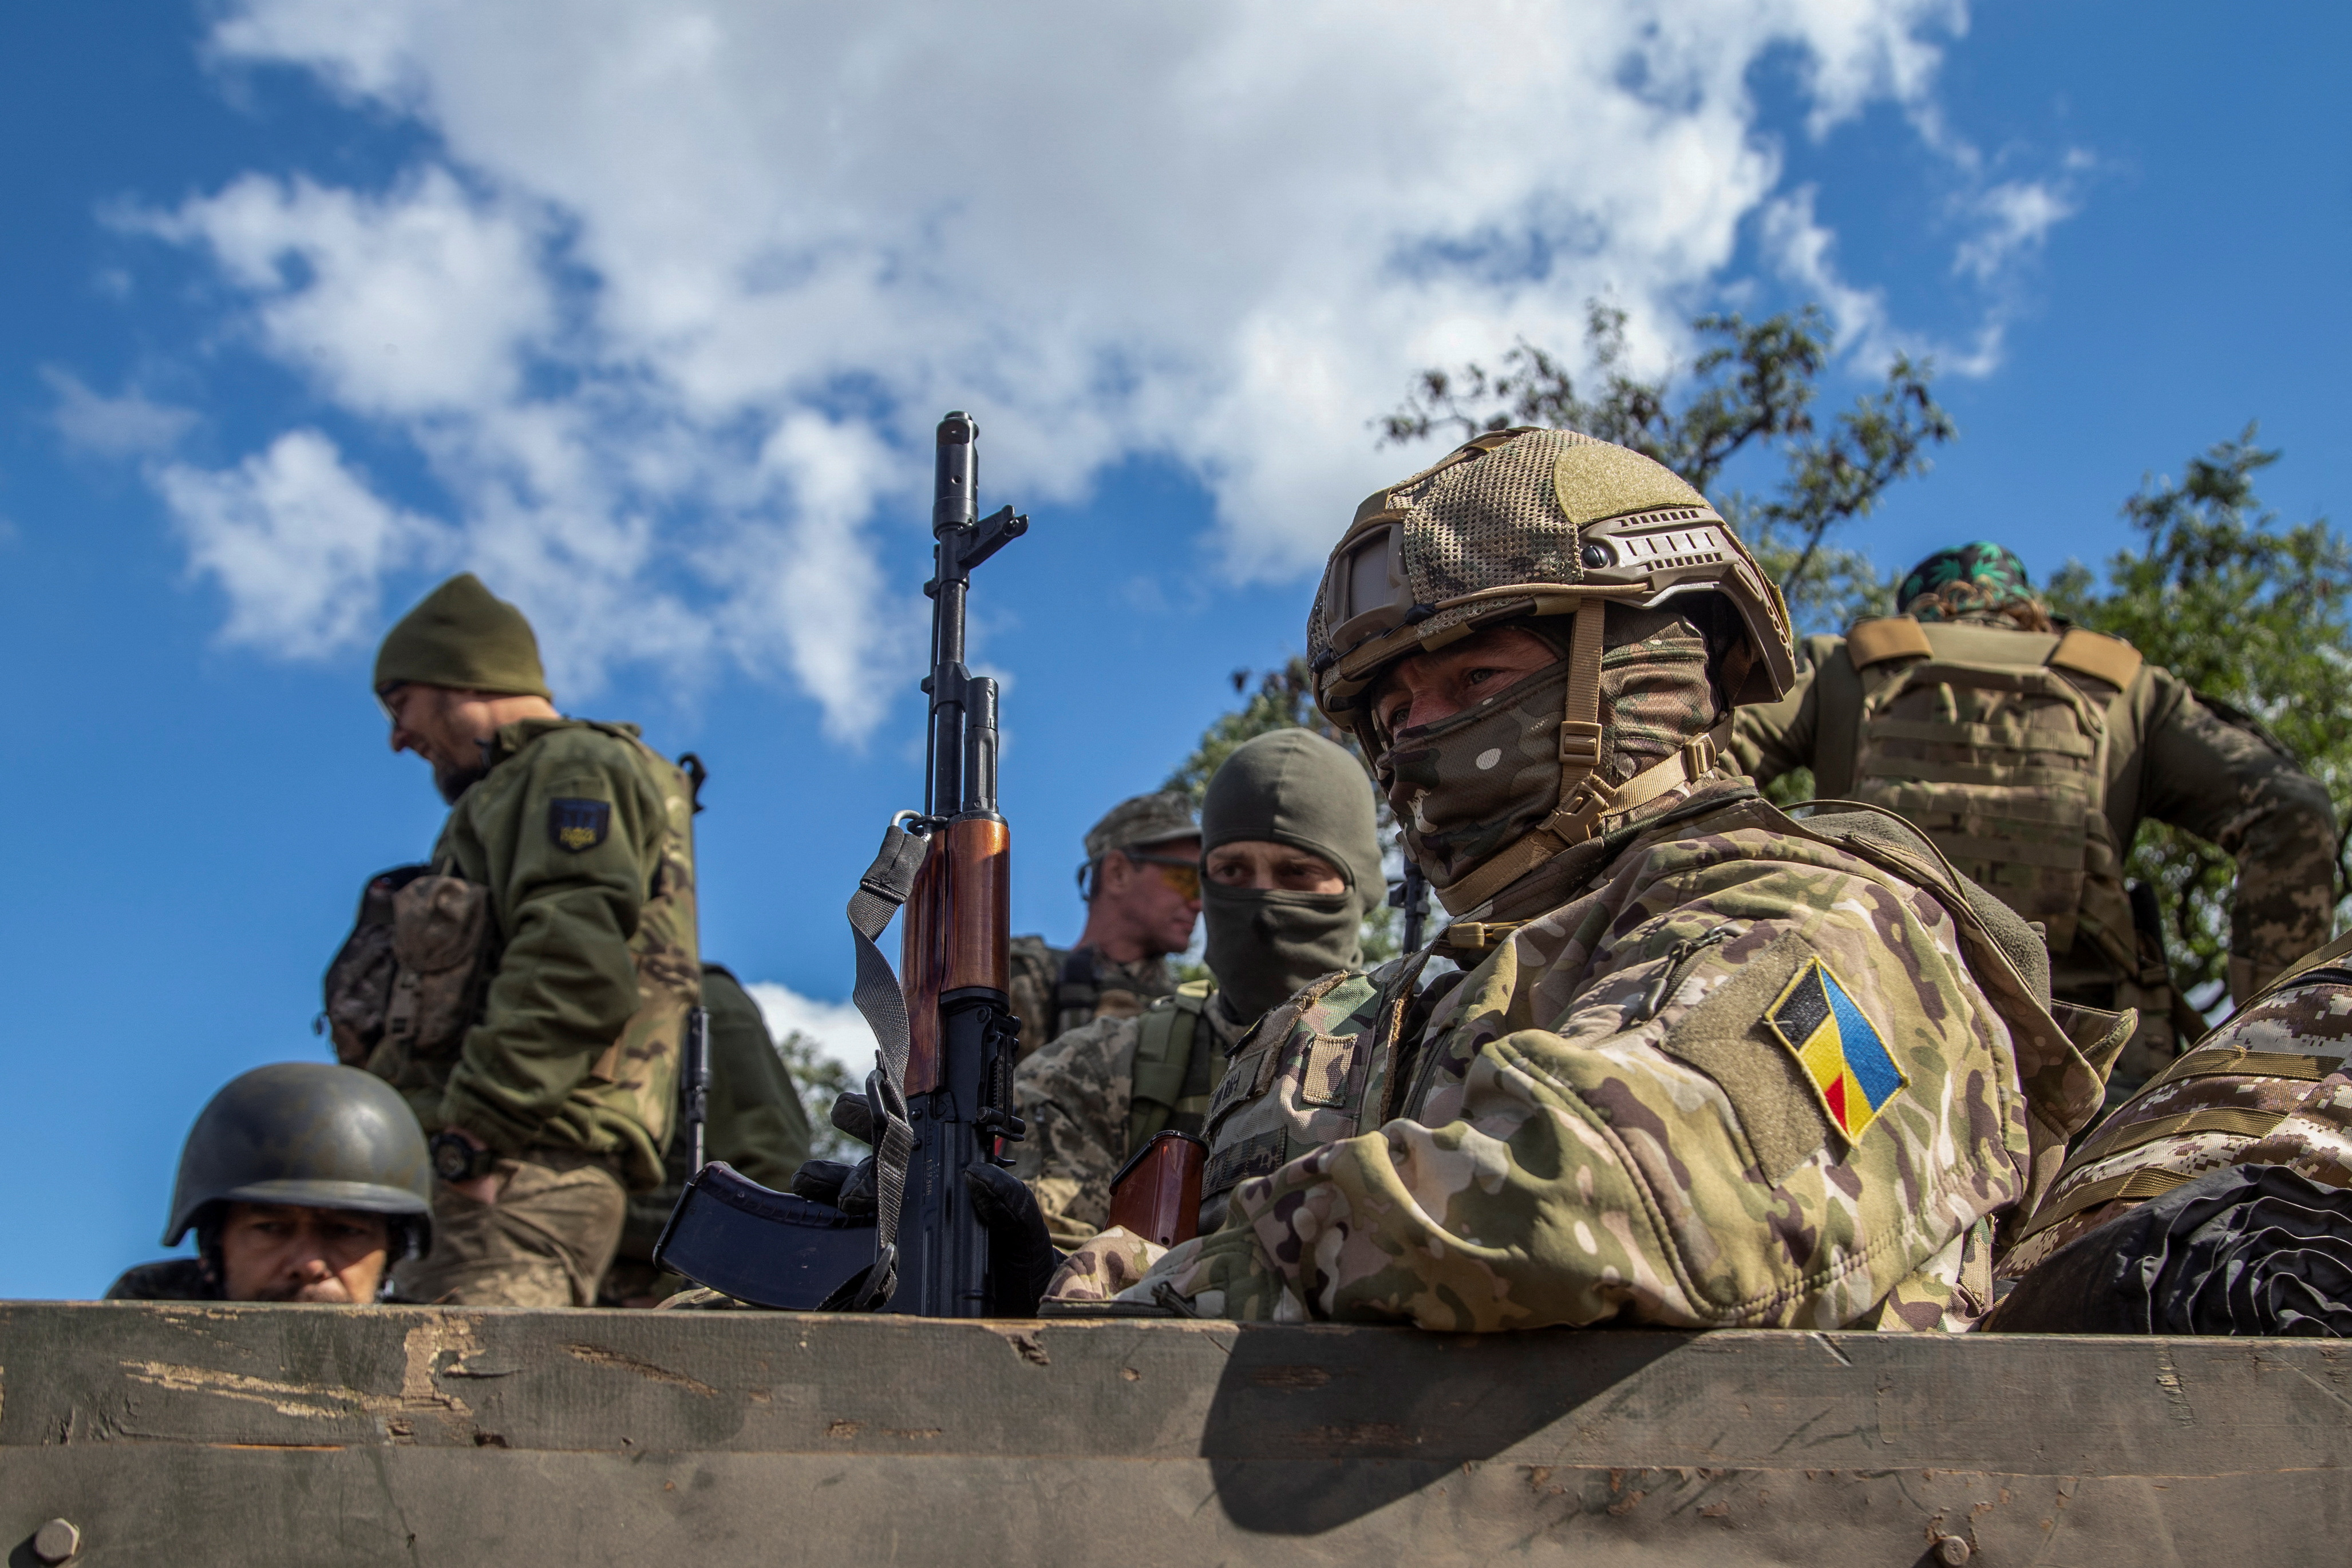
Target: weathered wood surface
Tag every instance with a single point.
(294, 1435)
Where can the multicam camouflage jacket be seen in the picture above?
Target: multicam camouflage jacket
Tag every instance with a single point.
(2271, 1087)
(1058, 990)
(2032, 758)
(1080, 1096)
(1744, 1075)
(581, 838)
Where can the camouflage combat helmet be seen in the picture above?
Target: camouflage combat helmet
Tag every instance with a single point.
(1525, 523)
(310, 1135)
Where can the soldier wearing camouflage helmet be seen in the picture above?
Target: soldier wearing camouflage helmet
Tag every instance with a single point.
(2030, 752)
(303, 1183)
(1291, 866)
(1706, 1066)
(528, 988)
(1141, 884)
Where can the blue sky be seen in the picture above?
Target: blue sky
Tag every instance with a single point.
(645, 313)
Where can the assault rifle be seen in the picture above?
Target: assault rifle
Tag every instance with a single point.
(901, 1231)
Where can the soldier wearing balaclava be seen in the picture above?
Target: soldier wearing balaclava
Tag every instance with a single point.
(1291, 866)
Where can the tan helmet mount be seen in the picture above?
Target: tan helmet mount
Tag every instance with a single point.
(1525, 523)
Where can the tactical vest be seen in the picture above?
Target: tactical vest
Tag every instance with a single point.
(410, 979)
(1994, 744)
(1173, 1078)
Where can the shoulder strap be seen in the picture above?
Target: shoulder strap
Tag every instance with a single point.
(2097, 655)
(1164, 1058)
(1891, 637)
(879, 997)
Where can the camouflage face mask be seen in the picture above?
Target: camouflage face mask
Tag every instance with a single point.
(1471, 784)
(1468, 787)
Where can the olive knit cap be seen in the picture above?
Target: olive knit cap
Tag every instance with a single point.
(466, 637)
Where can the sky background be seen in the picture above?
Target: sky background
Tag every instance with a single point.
(646, 314)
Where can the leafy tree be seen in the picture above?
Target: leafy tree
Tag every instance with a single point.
(2250, 614)
(821, 1081)
(1752, 385)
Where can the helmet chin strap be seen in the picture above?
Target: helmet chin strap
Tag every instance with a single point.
(1587, 799)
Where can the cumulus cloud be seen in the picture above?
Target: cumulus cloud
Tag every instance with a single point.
(669, 311)
(838, 1029)
(299, 543)
(128, 426)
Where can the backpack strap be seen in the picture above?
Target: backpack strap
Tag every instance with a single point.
(1163, 1060)
(2097, 655)
(1890, 637)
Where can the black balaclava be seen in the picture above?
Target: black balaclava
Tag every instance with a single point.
(1292, 788)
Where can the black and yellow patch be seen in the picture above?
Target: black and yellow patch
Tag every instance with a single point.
(1838, 1047)
(575, 825)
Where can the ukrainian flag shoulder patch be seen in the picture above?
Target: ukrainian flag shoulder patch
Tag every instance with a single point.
(1840, 1050)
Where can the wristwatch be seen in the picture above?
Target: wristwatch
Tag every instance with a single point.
(457, 1157)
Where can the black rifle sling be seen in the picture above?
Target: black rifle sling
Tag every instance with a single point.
(880, 894)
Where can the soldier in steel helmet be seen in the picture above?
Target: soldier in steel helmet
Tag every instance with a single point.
(528, 988)
(1705, 1065)
(2030, 752)
(1141, 884)
(303, 1182)
(1291, 866)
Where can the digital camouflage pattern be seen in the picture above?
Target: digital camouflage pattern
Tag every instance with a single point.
(583, 837)
(1595, 1124)
(1983, 577)
(1076, 1094)
(2167, 756)
(2270, 1087)
(1058, 990)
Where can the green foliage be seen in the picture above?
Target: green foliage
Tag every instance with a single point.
(1753, 383)
(820, 1080)
(2250, 614)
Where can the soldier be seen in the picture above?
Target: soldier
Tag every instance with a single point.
(2030, 753)
(754, 1122)
(526, 990)
(1141, 884)
(1292, 864)
(2213, 1201)
(303, 1183)
(1714, 1067)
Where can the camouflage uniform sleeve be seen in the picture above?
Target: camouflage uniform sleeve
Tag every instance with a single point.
(566, 983)
(1034, 972)
(1769, 739)
(1581, 1159)
(2229, 784)
(757, 1124)
(1074, 1096)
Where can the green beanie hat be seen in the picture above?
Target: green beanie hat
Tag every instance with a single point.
(463, 637)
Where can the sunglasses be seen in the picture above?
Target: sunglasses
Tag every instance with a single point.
(1183, 876)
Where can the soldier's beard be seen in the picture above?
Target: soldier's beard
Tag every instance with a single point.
(455, 781)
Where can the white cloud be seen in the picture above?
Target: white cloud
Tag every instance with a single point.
(130, 425)
(2018, 215)
(299, 542)
(671, 311)
(838, 1029)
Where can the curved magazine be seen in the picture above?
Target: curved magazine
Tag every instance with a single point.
(769, 1248)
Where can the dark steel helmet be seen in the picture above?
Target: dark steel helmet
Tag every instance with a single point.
(310, 1135)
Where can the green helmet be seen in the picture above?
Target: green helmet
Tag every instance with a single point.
(310, 1134)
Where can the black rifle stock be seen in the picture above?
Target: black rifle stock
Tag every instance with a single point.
(939, 1100)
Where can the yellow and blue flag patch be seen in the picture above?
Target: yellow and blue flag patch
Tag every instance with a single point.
(1840, 1050)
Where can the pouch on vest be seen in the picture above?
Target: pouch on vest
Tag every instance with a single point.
(1166, 1038)
(2004, 767)
(440, 938)
(359, 979)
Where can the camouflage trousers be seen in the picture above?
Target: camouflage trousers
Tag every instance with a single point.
(546, 1242)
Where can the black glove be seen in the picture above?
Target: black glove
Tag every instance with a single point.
(848, 1186)
(1022, 1256)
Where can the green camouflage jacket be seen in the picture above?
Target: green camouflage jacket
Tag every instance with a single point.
(1740, 1077)
(584, 837)
(1078, 1094)
(2272, 1086)
(1052, 995)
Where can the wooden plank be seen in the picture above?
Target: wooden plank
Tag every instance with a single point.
(241, 1433)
